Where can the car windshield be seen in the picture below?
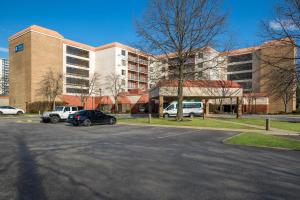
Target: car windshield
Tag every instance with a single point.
(59, 108)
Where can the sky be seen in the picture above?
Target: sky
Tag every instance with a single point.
(98, 22)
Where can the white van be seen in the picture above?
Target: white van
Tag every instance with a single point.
(190, 109)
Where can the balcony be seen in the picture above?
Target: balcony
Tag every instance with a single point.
(133, 68)
(133, 78)
(144, 62)
(143, 70)
(132, 59)
(143, 80)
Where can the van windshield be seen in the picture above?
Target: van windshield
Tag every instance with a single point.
(170, 107)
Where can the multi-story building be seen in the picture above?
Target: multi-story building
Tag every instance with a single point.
(249, 67)
(252, 68)
(130, 63)
(4, 76)
(35, 50)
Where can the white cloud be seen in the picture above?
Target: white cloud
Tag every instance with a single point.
(286, 24)
(3, 49)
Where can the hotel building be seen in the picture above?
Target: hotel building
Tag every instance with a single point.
(35, 50)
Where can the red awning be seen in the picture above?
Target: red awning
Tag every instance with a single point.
(144, 99)
(123, 100)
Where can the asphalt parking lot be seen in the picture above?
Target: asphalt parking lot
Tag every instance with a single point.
(46, 161)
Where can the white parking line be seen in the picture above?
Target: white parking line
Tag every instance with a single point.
(172, 135)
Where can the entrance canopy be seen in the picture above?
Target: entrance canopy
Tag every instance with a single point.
(208, 89)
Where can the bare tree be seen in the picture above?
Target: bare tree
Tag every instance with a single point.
(114, 86)
(51, 86)
(284, 30)
(284, 89)
(87, 87)
(181, 27)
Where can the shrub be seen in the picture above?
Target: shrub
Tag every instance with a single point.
(41, 106)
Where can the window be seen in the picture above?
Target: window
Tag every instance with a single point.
(78, 72)
(240, 58)
(192, 105)
(19, 47)
(124, 62)
(78, 52)
(246, 85)
(77, 90)
(74, 108)
(77, 81)
(77, 62)
(171, 107)
(123, 52)
(67, 109)
(200, 65)
(239, 76)
(240, 67)
(123, 72)
(200, 55)
(123, 82)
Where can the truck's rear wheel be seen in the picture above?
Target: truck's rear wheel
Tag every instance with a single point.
(54, 119)
(166, 115)
(192, 115)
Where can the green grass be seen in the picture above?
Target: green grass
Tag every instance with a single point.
(262, 140)
(291, 126)
(196, 122)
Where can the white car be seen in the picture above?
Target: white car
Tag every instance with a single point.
(9, 110)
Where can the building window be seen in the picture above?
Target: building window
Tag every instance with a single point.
(123, 82)
(123, 72)
(123, 52)
(200, 55)
(19, 47)
(77, 90)
(200, 65)
(240, 67)
(77, 81)
(77, 72)
(240, 76)
(78, 52)
(246, 85)
(124, 62)
(240, 58)
(77, 62)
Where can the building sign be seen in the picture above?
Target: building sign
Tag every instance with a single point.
(19, 47)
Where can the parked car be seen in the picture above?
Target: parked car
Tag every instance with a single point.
(90, 117)
(61, 113)
(9, 110)
(190, 109)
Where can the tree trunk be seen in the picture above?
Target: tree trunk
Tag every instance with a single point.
(180, 95)
(221, 106)
(116, 106)
(53, 104)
